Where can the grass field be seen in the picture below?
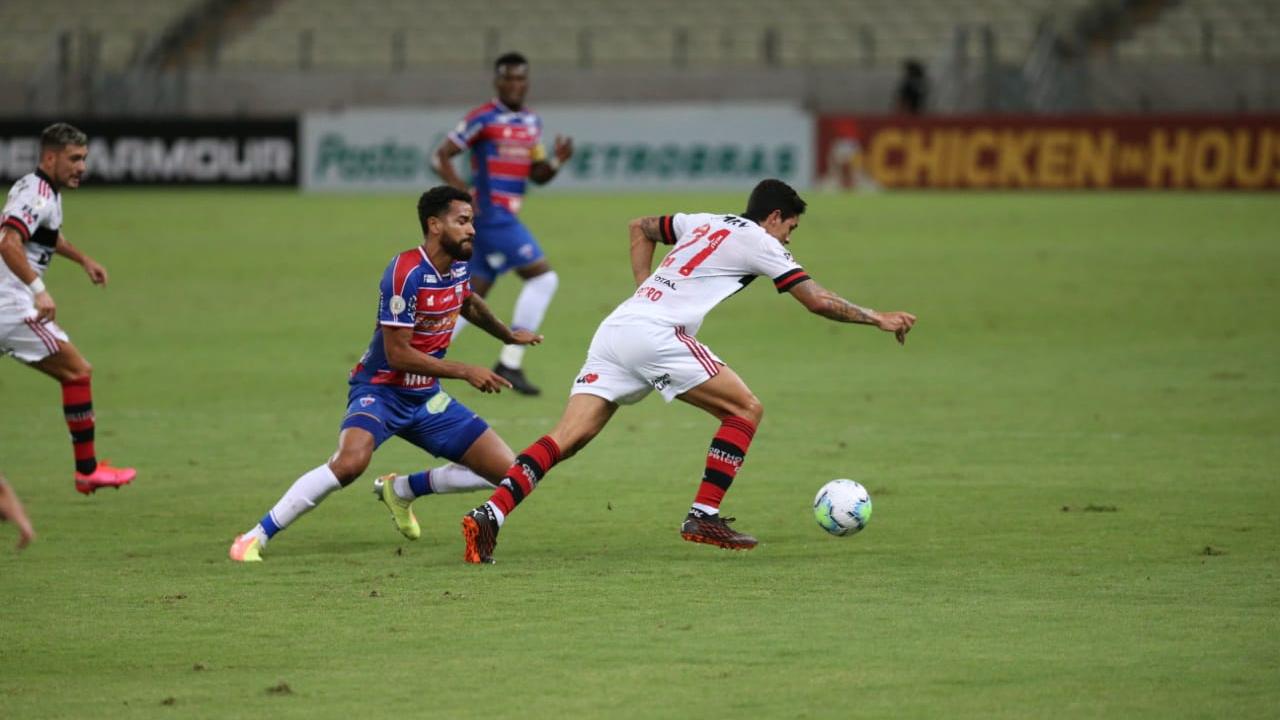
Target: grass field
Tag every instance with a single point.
(1073, 460)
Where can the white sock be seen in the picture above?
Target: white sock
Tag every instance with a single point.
(706, 509)
(305, 493)
(454, 478)
(531, 308)
(401, 488)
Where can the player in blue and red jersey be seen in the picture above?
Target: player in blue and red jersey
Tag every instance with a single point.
(505, 140)
(395, 388)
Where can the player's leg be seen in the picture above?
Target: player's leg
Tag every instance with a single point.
(728, 398)
(584, 417)
(348, 462)
(11, 510)
(445, 428)
(538, 287)
(74, 373)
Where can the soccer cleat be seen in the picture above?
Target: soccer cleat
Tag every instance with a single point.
(246, 548)
(518, 381)
(480, 533)
(104, 476)
(401, 512)
(714, 530)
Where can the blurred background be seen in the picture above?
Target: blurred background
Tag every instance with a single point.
(834, 62)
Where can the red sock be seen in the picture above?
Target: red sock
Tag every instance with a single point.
(524, 475)
(728, 450)
(77, 407)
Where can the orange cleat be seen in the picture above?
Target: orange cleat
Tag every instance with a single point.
(104, 476)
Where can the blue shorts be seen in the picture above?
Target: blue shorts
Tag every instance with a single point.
(502, 243)
(436, 423)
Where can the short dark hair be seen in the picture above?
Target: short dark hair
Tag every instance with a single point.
(437, 200)
(770, 195)
(60, 135)
(511, 58)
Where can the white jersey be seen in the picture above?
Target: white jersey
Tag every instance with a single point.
(34, 210)
(714, 257)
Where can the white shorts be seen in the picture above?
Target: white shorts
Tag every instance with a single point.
(28, 340)
(625, 362)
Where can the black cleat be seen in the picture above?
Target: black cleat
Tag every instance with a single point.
(480, 534)
(714, 530)
(518, 381)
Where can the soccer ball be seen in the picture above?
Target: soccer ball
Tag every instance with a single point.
(842, 507)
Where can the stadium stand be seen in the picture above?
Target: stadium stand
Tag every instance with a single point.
(393, 34)
(1208, 30)
(103, 35)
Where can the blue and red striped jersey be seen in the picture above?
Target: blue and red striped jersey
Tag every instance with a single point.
(504, 144)
(414, 294)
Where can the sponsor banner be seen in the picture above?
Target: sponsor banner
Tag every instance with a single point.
(666, 147)
(1175, 152)
(167, 152)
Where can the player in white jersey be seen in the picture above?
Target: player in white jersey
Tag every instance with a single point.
(30, 235)
(648, 343)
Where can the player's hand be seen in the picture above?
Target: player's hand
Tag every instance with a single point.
(486, 380)
(898, 323)
(45, 307)
(564, 148)
(524, 337)
(97, 274)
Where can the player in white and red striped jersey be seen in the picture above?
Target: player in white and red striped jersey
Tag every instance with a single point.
(648, 343)
(30, 235)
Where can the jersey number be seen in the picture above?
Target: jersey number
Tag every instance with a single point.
(713, 242)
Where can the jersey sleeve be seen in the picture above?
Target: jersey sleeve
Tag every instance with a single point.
(468, 130)
(671, 227)
(398, 293)
(775, 262)
(24, 210)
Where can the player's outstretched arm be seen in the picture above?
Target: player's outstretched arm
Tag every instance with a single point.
(645, 235)
(402, 356)
(15, 258)
(97, 274)
(477, 312)
(821, 301)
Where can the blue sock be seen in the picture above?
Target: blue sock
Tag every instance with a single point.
(420, 483)
(269, 526)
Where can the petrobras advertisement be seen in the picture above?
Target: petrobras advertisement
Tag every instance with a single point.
(159, 151)
(644, 147)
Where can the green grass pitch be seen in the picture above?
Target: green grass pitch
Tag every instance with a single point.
(1073, 462)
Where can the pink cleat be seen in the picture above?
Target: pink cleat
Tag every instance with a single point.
(104, 476)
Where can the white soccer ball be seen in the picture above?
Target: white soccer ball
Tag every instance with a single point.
(842, 507)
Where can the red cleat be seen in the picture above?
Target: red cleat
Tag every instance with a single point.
(104, 476)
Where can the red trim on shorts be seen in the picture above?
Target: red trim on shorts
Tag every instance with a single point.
(699, 351)
(48, 338)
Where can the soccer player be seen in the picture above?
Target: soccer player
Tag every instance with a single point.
(11, 510)
(395, 388)
(30, 235)
(505, 139)
(648, 343)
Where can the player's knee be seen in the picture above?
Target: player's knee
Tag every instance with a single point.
(752, 409)
(77, 372)
(349, 465)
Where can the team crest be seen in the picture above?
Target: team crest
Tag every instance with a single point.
(367, 400)
(396, 305)
(588, 379)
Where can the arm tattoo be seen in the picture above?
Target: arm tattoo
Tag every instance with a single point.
(477, 312)
(837, 308)
(652, 233)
